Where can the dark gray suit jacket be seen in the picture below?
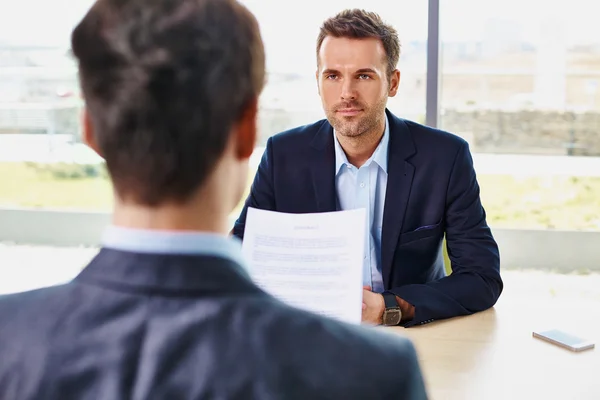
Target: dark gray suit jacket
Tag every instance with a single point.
(144, 326)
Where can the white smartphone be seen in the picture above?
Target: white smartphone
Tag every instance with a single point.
(564, 339)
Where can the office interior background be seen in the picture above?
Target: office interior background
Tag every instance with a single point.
(519, 80)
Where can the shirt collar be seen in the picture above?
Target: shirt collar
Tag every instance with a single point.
(379, 156)
(173, 242)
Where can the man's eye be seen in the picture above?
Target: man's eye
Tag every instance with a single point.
(364, 76)
(331, 76)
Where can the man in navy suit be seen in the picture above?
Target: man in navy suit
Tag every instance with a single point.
(416, 183)
(166, 310)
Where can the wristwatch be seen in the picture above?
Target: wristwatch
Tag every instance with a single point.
(392, 315)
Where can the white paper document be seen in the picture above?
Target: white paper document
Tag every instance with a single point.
(310, 261)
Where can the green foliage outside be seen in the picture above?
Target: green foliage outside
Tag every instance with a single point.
(511, 202)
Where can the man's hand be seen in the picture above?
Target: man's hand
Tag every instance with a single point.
(373, 307)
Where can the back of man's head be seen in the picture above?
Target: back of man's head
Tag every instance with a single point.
(165, 83)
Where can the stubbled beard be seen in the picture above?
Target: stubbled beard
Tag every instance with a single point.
(357, 125)
(351, 127)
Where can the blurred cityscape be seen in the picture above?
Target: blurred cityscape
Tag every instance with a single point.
(504, 89)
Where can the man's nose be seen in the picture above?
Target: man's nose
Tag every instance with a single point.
(348, 90)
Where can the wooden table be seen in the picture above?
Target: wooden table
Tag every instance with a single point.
(492, 354)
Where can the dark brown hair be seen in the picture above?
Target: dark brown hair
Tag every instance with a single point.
(361, 24)
(164, 82)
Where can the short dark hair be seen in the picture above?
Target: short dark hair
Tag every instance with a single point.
(164, 82)
(361, 24)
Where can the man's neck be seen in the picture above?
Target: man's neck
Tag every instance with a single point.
(199, 217)
(359, 149)
(206, 210)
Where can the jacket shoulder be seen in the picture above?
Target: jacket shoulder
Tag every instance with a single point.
(29, 322)
(369, 362)
(31, 306)
(301, 135)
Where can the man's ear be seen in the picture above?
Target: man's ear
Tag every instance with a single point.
(394, 83)
(246, 130)
(89, 137)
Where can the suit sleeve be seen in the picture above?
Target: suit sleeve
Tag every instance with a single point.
(475, 283)
(261, 192)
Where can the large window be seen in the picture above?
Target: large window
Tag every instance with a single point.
(520, 81)
(42, 160)
(43, 163)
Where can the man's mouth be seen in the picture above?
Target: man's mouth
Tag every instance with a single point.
(349, 112)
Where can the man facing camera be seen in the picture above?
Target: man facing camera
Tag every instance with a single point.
(166, 310)
(416, 183)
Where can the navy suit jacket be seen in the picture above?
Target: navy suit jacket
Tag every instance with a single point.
(149, 326)
(432, 191)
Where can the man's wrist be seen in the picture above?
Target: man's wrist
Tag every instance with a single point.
(381, 310)
(408, 310)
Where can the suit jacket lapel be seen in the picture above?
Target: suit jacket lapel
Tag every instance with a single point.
(400, 176)
(323, 169)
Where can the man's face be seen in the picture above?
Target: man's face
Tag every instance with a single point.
(353, 83)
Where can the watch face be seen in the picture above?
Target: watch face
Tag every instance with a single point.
(391, 317)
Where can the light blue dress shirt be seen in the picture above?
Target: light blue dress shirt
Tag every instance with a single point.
(365, 187)
(173, 242)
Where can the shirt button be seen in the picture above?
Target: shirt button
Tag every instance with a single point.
(349, 166)
(362, 184)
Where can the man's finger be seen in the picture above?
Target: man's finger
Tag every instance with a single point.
(364, 306)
